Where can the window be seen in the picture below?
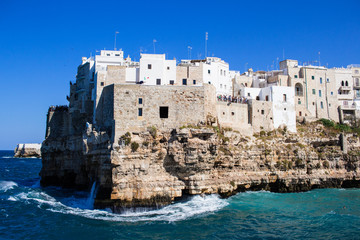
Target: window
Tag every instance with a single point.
(172, 82)
(296, 76)
(300, 113)
(346, 83)
(140, 100)
(232, 113)
(245, 84)
(158, 81)
(140, 112)
(332, 93)
(320, 80)
(284, 97)
(221, 72)
(168, 68)
(357, 83)
(321, 105)
(108, 54)
(267, 98)
(248, 94)
(319, 93)
(299, 102)
(194, 82)
(209, 82)
(208, 71)
(329, 104)
(149, 66)
(164, 112)
(262, 112)
(312, 77)
(342, 83)
(327, 80)
(298, 89)
(184, 81)
(313, 91)
(102, 83)
(313, 103)
(118, 55)
(257, 98)
(284, 109)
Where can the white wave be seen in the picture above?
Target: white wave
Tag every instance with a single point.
(7, 157)
(11, 198)
(196, 206)
(7, 185)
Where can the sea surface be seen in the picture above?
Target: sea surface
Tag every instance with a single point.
(28, 211)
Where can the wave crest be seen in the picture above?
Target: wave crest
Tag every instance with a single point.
(195, 206)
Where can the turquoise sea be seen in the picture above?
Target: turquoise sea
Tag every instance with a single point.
(28, 211)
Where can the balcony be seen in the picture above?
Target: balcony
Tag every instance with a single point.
(345, 88)
(348, 107)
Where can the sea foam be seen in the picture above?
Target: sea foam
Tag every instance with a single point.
(195, 206)
(7, 185)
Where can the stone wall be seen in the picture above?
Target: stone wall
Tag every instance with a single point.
(261, 113)
(178, 105)
(235, 116)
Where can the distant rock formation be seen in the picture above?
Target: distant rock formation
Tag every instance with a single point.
(27, 150)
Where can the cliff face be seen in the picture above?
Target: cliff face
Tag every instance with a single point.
(28, 150)
(153, 168)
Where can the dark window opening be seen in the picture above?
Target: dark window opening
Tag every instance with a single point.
(164, 112)
(209, 71)
(168, 68)
(232, 113)
(140, 112)
(300, 113)
(102, 83)
(194, 82)
(149, 66)
(158, 81)
(257, 98)
(172, 82)
(184, 82)
(262, 112)
(140, 100)
(267, 98)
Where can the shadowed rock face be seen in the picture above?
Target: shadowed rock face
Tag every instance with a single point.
(170, 164)
(28, 150)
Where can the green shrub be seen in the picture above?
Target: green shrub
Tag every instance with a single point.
(153, 131)
(126, 138)
(343, 127)
(327, 122)
(134, 146)
(326, 164)
(145, 143)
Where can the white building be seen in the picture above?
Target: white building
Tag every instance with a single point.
(216, 72)
(282, 105)
(156, 70)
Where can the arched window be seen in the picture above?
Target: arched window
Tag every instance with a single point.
(342, 83)
(346, 83)
(298, 89)
(357, 83)
(257, 98)
(284, 97)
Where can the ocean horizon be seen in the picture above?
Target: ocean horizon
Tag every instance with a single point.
(28, 211)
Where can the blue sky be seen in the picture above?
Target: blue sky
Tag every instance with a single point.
(42, 42)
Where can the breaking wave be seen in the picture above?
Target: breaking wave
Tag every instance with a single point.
(195, 206)
(7, 185)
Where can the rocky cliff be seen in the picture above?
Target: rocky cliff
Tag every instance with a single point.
(153, 168)
(28, 150)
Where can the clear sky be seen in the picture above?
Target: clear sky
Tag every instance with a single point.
(42, 42)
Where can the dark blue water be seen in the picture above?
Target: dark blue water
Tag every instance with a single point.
(28, 211)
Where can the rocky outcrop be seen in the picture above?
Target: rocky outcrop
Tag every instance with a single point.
(27, 150)
(153, 168)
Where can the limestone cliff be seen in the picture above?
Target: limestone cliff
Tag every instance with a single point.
(27, 150)
(153, 168)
